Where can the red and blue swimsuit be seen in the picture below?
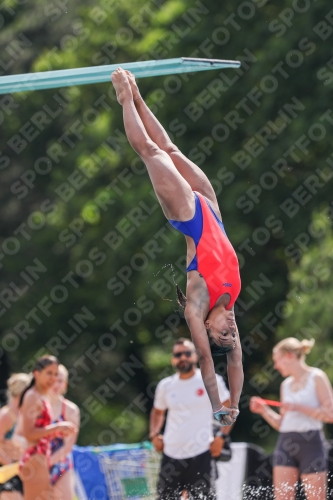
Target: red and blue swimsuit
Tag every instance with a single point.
(215, 257)
(43, 445)
(60, 468)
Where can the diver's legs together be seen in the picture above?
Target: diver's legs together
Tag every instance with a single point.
(173, 176)
(173, 191)
(196, 178)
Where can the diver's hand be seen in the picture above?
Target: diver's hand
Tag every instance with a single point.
(234, 412)
(224, 416)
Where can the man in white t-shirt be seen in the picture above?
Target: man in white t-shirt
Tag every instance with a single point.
(187, 444)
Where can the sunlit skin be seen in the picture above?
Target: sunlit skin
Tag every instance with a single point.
(64, 487)
(44, 382)
(168, 167)
(60, 385)
(220, 319)
(285, 363)
(289, 364)
(10, 450)
(221, 325)
(46, 378)
(185, 365)
(30, 410)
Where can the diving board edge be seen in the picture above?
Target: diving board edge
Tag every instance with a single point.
(99, 74)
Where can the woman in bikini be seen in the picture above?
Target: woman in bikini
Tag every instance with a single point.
(307, 402)
(10, 448)
(38, 429)
(189, 202)
(61, 472)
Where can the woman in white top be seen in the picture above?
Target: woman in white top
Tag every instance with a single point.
(307, 402)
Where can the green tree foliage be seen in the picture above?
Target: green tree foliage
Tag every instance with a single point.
(307, 310)
(86, 249)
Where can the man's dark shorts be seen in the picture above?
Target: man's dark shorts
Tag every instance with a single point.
(196, 475)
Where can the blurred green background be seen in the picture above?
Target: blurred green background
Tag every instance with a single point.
(88, 260)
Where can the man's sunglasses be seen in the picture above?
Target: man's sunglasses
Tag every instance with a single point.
(178, 355)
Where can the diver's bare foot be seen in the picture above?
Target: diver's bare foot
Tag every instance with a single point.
(133, 84)
(121, 85)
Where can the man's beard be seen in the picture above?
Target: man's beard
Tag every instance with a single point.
(185, 366)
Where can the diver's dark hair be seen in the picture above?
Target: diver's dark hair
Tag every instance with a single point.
(40, 364)
(182, 300)
(217, 350)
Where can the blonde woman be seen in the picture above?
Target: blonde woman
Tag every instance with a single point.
(10, 449)
(61, 471)
(307, 402)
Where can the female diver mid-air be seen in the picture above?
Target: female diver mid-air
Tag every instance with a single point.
(189, 202)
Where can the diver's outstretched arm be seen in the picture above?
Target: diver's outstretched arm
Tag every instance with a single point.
(235, 372)
(226, 416)
(200, 340)
(193, 174)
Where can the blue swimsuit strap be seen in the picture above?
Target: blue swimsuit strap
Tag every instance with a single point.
(9, 434)
(192, 227)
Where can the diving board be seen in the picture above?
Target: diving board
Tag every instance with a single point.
(97, 74)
